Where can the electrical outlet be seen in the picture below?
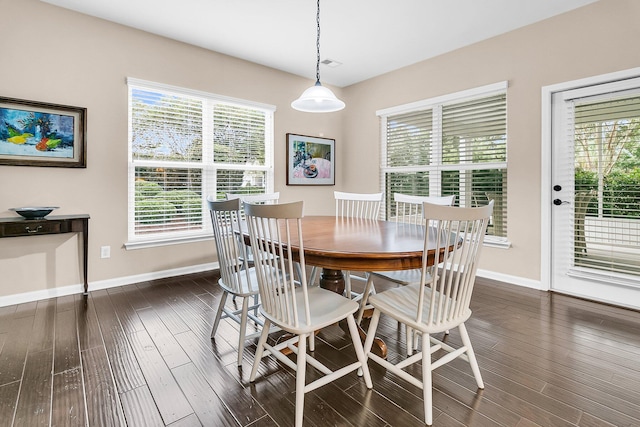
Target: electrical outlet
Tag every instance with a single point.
(105, 251)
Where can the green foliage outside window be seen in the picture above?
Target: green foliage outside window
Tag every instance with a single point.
(620, 195)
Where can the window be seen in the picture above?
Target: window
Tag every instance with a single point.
(606, 159)
(456, 144)
(185, 145)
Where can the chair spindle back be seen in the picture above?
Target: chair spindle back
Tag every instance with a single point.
(357, 205)
(409, 207)
(459, 233)
(272, 230)
(232, 256)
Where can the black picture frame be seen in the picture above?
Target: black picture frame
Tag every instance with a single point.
(311, 160)
(36, 133)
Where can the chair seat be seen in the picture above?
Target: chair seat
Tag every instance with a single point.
(401, 277)
(326, 308)
(245, 289)
(402, 304)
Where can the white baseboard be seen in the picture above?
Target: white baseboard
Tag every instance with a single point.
(513, 280)
(128, 280)
(43, 294)
(103, 284)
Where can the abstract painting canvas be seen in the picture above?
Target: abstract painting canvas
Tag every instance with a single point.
(41, 134)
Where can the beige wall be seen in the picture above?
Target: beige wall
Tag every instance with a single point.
(54, 55)
(596, 39)
(59, 56)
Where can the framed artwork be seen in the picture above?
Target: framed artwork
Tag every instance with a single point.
(40, 134)
(310, 160)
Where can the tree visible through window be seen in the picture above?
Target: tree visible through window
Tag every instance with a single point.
(185, 146)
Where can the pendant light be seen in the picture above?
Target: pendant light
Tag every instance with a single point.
(317, 99)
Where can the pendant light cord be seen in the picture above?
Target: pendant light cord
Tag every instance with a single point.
(318, 46)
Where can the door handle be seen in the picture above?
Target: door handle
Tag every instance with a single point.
(559, 202)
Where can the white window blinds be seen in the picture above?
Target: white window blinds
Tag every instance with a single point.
(606, 135)
(186, 145)
(455, 145)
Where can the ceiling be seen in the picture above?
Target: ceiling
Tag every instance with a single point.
(369, 37)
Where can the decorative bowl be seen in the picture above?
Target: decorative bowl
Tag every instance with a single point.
(35, 212)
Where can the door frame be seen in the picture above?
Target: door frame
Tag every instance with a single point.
(546, 250)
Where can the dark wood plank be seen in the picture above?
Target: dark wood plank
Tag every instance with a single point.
(42, 335)
(166, 344)
(124, 363)
(14, 353)
(126, 313)
(614, 410)
(332, 396)
(103, 404)
(67, 350)
(390, 402)
(89, 334)
(6, 316)
(3, 340)
(140, 409)
(26, 309)
(206, 404)
(66, 302)
(171, 402)
(68, 406)
(189, 421)
(161, 297)
(8, 400)
(34, 402)
(235, 397)
(580, 370)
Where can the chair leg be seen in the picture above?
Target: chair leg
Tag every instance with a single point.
(371, 332)
(243, 328)
(256, 300)
(357, 344)
(365, 298)
(300, 378)
(312, 342)
(471, 355)
(427, 383)
(260, 349)
(312, 276)
(347, 284)
(409, 333)
(216, 321)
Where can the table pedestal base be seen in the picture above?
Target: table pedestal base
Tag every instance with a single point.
(333, 280)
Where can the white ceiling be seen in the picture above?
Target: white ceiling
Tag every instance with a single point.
(369, 37)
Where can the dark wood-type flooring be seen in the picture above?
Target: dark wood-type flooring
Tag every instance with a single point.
(142, 355)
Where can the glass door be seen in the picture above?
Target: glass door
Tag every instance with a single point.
(596, 193)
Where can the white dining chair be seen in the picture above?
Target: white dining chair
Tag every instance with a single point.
(357, 205)
(255, 198)
(291, 304)
(440, 301)
(236, 277)
(408, 210)
(360, 206)
(262, 198)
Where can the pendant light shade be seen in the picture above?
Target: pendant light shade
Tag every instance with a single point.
(317, 98)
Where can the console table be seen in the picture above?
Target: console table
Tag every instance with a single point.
(20, 227)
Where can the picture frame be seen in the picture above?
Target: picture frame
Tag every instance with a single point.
(311, 160)
(42, 134)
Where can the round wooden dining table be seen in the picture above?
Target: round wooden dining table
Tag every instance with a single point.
(354, 244)
(337, 244)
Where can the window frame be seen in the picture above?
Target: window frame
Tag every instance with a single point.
(207, 165)
(435, 105)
